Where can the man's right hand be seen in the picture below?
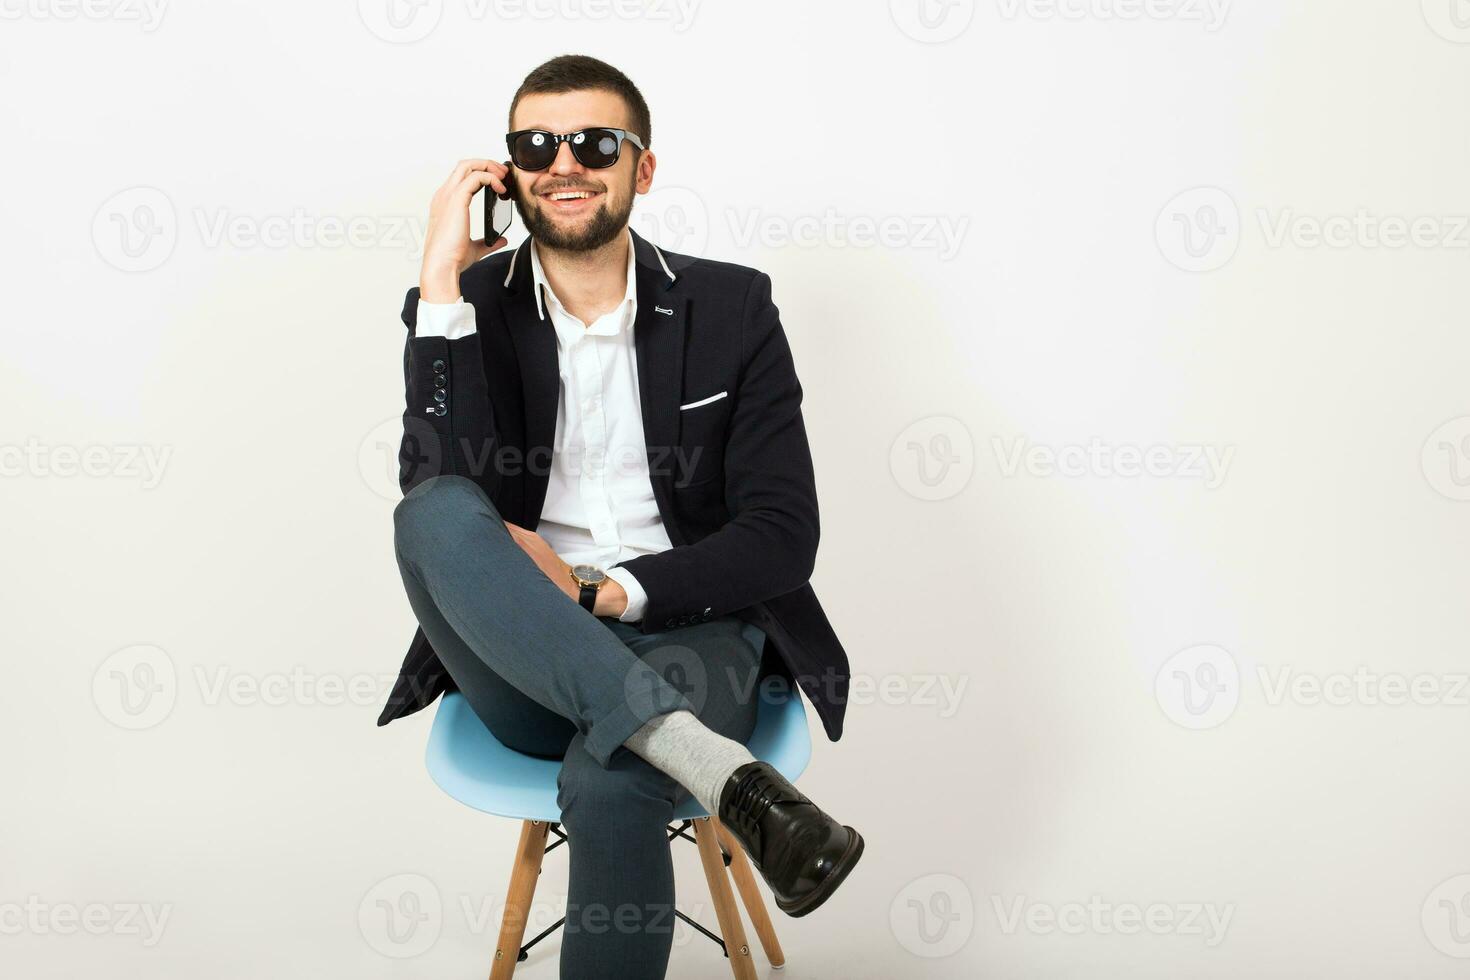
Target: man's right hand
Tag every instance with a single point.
(448, 248)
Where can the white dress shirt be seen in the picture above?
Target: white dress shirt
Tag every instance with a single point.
(600, 507)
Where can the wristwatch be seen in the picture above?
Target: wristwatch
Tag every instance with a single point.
(589, 578)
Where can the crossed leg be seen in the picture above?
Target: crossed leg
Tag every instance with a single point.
(550, 680)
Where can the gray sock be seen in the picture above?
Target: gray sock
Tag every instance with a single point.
(700, 760)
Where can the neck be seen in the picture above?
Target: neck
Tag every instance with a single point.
(588, 284)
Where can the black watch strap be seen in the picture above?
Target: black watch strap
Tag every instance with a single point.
(588, 598)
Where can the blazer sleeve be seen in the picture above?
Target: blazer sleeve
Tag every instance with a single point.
(769, 546)
(448, 423)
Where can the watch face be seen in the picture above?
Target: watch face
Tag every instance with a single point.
(588, 574)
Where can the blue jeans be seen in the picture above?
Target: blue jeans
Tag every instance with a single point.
(549, 679)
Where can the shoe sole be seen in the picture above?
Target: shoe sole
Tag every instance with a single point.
(829, 884)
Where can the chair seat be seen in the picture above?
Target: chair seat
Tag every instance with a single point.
(474, 767)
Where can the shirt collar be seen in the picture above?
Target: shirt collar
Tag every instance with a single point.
(538, 281)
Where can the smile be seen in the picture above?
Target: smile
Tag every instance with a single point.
(569, 200)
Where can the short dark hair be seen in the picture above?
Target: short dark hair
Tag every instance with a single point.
(578, 72)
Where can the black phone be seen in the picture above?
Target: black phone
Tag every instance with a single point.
(498, 210)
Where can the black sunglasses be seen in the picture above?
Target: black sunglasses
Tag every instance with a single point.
(596, 147)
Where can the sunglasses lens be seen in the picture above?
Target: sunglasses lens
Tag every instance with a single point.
(596, 148)
(532, 151)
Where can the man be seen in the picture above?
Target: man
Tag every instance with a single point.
(607, 478)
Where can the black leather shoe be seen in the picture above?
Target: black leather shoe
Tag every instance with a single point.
(801, 852)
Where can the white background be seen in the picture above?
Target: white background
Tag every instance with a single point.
(1131, 193)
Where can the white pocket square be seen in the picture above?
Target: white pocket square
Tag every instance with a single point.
(703, 401)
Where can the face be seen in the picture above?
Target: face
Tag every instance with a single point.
(585, 223)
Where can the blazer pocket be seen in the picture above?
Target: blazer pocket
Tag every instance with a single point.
(703, 401)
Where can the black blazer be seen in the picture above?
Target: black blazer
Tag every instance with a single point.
(732, 477)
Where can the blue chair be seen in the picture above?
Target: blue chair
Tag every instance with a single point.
(474, 767)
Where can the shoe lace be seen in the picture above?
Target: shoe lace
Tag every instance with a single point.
(756, 793)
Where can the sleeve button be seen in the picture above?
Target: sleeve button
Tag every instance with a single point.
(441, 409)
(441, 395)
(439, 365)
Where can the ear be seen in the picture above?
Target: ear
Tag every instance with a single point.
(643, 177)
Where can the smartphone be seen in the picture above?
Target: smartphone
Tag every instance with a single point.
(499, 210)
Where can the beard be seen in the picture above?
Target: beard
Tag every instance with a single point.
(602, 227)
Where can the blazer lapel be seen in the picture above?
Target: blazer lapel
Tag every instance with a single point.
(536, 356)
(658, 342)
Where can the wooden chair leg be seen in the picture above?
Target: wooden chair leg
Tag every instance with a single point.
(732, 930)
(755, 905)
(523, 875)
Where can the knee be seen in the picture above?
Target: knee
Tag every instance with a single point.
(430, 510)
